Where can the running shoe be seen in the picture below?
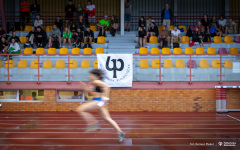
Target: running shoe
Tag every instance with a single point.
(121, 137)
(94, 127)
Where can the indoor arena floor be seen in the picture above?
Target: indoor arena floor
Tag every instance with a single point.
(144, 131)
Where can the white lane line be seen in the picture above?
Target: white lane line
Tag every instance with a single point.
(32, 123)
(64, 128)
(22, 138)
(114, 133)
(119, 117)
(120, 120)
(233, 118)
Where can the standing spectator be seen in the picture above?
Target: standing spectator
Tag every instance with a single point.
(127, 16)
(103, 24)
(3, 47)
(67, 35)
(114, 25)
(59, 23)
(34, 9)
(200, 27)
(167, 16)
(2, 32)
(214, 31)
(149, 22)
(38, 21)
(78, 38)
(14, 48)
(81, 23)
(88, 36)
(25, 12)
(14, 37)
(142, 36)
(79, 11)
(90, 11)
(214, 20)
(31, 36)
(70, 9)
(205, 22)
(40, 37)
(153, 30)
(141, 23)
(198, 37)
(176, 36)
(164, 37)
(55, 35)
(222, 23)
(231, 27)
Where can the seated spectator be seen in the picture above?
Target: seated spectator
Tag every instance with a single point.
(2, 32)
(3, 47)
(114, 25)
(149, 22)
(176, 36)
(141, 23)
(31, 36)
(214, 31)
(200, 27)
(164, 37)
(34, 96)
(73, 29)
(59, 23)
(222, 23)
(88, 36)
(214, 20)
(76, 96)
(103, 24)
(40, 37)
(205, 22)
(78, 38)
(142, 36)
(198, 37)
(55, 35)
(153, 30)
(14, 48)
(82, 23)
(38, 21)
(67, 35)
(14, 37)
(231, 27)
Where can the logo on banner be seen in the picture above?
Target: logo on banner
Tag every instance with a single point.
(114, 68)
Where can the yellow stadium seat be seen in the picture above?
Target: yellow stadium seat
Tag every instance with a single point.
(167, 64)
(22, 64)
(177, 51)
(27, 28)
(228, 64)
(47, 64)
(171, 28)
(73, 64)
(76, 51)
(160, 28)
(48, 28)
(185, 40)
(99, 50)
(184, 28)
(143, 50)
(155, 64)
(52, 51)
(85, 64)
(166, 51)
(203, 64)
(60, 64)
(143, 64)
(188, 51)
(40, 51)
(180, 64)
(228, 39)
(101, 40)
(34, 64)
(153, 40)
(215, 64)
(200, 51)
(93, 28)
(95, 64)
(23, 40)
(28, 50)
(211, 50)
(11, 63)
(63, 51)
(217, 39)
(1, 64)
(154, 51)
(87, 51)
(233, 51)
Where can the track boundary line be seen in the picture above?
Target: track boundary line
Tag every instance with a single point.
(233, 118)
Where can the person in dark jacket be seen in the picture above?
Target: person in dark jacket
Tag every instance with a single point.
(70, 9)
(79, 10)
(142, 36)
(31, 36)
(114, 25)
(206, 23)
(59, 23)
(142, 23)
(167, 16)
(34, 9)
(78, 38)
(198, 37)
(153, 30)
(88, 36)
(14, 37)
(40, 37)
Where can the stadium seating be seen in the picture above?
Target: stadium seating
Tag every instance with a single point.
(217, 40)
(233, 51)
(215, 64)
(167, 64)
(200, 51)
(143, 50)
(143, 64)
(63, 51)
(28, 50)
(85, 64)
(188, 51)
(1, 64)
(48, 28)
(47, 64)
(160, 28)
(203, 64)
(101, 40)
(40, 51)
(222, 51)
(23, 40)
(185, 40)
(76, 51)
(155, 64)
(177, 51)
(22, 64)
(237, 39)
(93, 28)
(60, 64)
(153, 40)
(154, 51)
(52, 51)
(10, 63)
(73, 64)
(34, 64)
(166, 51)
(87, 51)
(192, 64)
(184, 28)
(27, 29)
(95, 64)
(171, 27)
(180, 64)
(211, 50)
(99, 50)
(228, 39)
(228, 64)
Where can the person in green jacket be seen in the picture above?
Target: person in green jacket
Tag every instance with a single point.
(67, 35)
(14, 48)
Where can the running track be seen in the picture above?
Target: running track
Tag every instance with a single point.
(144, 131)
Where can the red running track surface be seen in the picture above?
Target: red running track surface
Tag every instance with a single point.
(144, 131)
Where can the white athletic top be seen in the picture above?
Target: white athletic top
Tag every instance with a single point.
(176, 33)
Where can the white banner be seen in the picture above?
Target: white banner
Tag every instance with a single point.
(118, 69)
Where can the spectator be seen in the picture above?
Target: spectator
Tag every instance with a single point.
(14, 48)
(31, 36)
(78, 38)
(2, 32)
(167, 16)
(59, 23)
(149, 22)
(67, 35)
(34, 96)
(176, 36)
(214, 31)
(79, 11)
(82, 23)
(214, 20)
(14, 37)
(55, 35)
(38, 21)
(198, 37)
(231, 27)
(142, 36)
(73, 29)
(205, 22)
(76, 96)
(114, 25)
(70, 9)
(153, 30)
(200, 27)
(127, 16)
(3, 47)
(90, 10)
(222, 23)
(164, 37)
(40, 37)
(141, 23)
(103, 24)
(25, 12)
(34, 9)
(88, 36)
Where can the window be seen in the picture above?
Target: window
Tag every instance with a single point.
(8, 96)
(22, 96)
(67, 96)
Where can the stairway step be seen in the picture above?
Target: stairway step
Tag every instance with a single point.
(121, 47)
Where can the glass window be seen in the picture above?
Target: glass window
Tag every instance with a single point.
(8, 96)
(31, 95)
(71, 96)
